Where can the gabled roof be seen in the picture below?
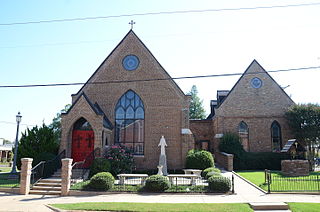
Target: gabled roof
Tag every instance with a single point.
(96, 108)
(125, 37)
(246, 72)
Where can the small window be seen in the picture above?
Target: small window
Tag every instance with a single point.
(276, 140)
(244, 135)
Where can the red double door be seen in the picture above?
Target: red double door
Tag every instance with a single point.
(82, 145)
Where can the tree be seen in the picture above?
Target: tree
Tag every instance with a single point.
(196, 110)
(304, 121)
(5, 141)
(56, 122)
(35, 142)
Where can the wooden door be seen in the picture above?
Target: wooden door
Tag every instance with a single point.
(82, 144)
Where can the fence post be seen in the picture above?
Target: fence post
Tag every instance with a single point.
(232, 184)
(268, 180)
(318, 182)
(66, 170)
(265, 176)
(25, 175)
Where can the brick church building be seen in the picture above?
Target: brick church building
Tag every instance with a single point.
(119, 104)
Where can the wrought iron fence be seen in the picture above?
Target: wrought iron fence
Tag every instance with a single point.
(9, 180)
(279, 183)
(179, 184)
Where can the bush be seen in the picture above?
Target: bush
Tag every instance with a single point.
(99, 165)
(209, 170)
(230, 143)
(219, 184)
(102, 181)
(157, 183)
(120, 158)
(215, 174)
(199, 159)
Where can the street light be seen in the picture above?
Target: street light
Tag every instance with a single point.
(18, 119)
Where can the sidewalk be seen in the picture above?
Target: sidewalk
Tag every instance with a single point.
(244, 193)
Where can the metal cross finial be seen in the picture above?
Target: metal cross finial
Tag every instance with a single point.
(131, 23)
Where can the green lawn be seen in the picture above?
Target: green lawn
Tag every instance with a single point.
(303, 207)
(5, 169)
(5, 182)
(123, 206)
(283, 183)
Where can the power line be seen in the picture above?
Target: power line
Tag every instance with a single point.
(154, 79)
(13, 123)
(160, 13)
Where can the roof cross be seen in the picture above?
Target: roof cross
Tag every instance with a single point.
(131, 23)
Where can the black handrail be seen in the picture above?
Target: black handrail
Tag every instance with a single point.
(87, 161)
(46, 169)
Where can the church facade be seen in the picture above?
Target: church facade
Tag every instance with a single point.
(119, 104)
(131, 100)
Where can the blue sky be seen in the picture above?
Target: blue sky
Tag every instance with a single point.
(185, 44)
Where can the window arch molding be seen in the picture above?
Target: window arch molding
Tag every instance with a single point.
(129, 122)
(276, 136)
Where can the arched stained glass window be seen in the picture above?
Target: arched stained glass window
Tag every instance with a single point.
(129, 113)
(244, 135)
(276, 136)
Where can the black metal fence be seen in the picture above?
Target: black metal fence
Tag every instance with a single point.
(178, 184)
(279, 183)
(9, 180)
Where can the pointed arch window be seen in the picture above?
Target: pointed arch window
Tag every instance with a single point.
(244, 135)
(129, 113)
(276, 140)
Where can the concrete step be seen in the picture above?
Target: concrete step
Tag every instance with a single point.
(48, 184)
(51, 180)
(43, 192)
(46, 188)
(269, 206)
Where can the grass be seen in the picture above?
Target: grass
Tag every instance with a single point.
(5, 169)
(290, 184)
(123, 206)
(5, 182)
(302, 207)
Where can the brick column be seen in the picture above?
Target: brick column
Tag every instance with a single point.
(66, 176)
(26, 165)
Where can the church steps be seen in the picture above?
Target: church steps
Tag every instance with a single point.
(48, 186)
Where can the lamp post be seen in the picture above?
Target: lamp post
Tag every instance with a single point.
(18, 119)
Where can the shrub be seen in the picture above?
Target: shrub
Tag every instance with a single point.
(199, 159)
(230, 143)
(209, 170)
(120, 158)
(102, 181)
(219, 184)
(215, 174)
(157, 183)
(99, 165)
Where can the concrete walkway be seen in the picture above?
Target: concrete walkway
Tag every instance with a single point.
(244, 193)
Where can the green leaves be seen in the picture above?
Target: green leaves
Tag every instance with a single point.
(35, 141)
(196, 110)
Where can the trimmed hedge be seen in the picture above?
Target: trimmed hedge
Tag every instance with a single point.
(99, 165)
(102, 181)
(219, 184)
(211, 169)
(199, 159)
(230, 143)
(157, 183)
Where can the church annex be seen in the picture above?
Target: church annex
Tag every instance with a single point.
(119, 104)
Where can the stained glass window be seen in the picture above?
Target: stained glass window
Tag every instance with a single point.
(129, 113)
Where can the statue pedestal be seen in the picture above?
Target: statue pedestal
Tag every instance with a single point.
(160, 170)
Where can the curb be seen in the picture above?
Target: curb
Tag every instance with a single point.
(257, 187)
